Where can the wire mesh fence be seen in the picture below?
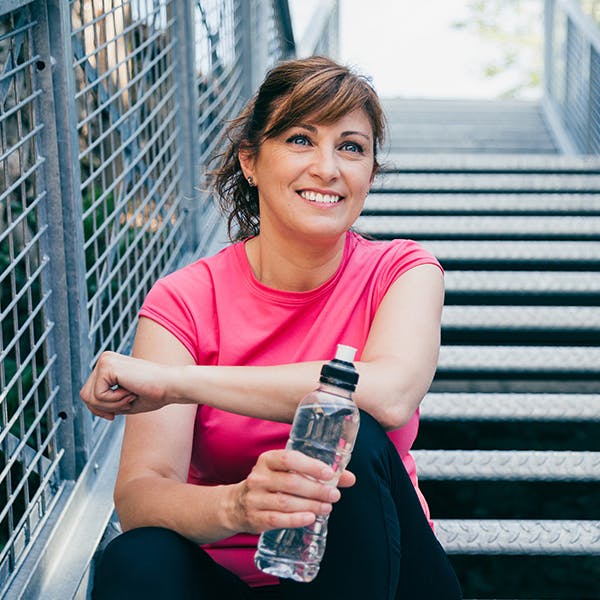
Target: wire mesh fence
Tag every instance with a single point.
(109, 110)
(28, 451)
(572, 79)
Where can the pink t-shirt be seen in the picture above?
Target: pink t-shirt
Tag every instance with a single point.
(224, 316)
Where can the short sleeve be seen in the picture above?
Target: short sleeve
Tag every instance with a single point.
(400, 257)
(183, 304)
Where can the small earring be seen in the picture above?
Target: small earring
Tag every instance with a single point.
(251, 181)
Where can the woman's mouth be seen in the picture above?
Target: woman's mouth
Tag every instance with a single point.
(319, 197)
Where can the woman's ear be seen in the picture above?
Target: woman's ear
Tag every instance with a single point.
(246, 159)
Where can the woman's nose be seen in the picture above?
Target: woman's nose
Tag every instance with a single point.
(325, 165)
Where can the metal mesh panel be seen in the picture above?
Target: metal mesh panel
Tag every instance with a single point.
(594, 127)
(559, 44)
(28, 427)
(218, 70)
(576, 113)
(126, 102)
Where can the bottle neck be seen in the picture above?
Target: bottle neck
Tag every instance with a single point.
(335, 390)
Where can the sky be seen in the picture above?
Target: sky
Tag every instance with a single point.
(411, 49)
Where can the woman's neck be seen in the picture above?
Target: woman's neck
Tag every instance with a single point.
(292, 266)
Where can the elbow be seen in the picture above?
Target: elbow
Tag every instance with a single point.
(400, 405)
(396, 415)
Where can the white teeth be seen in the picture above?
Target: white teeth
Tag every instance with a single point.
(317, 197)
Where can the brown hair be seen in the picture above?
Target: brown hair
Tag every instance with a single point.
(315, 87)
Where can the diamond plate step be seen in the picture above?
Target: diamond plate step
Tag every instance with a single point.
(520, 360)
(507, 465)
(475, 203)
(481, 227)
(524, 282)
(523, 252)
(482, 406)
(542, 318)
(480, 182)
(489, 163)
(544, 537)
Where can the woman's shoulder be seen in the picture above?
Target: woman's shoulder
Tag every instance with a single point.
(394, 250)
(201, 271)
(192, 284)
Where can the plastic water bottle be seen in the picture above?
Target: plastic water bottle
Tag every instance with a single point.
(325, 427)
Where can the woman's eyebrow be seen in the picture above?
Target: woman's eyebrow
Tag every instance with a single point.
(347, 133)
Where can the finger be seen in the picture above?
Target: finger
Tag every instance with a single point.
(278, 520)
(292, 460)
(286, 484)
(102, 414)
(347, 479)
(289, 504)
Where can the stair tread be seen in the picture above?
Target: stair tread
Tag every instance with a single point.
(498, 536)
(540, 360)
(584, 318)
(500, 226)
(521, 182)
(507, 465)
(522, 250)
(538, 282)
(510, 406)
(393, 161)
(475, 203)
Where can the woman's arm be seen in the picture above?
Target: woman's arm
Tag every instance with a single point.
(151, 487)
(396, 368)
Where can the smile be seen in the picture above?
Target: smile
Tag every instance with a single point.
(320, 198)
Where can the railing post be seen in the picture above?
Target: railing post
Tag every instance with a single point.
(69, 188)
(54, 247)
(187, 99)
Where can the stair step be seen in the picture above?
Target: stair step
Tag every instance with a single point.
(579, 318)
(489, 163)
(480, 182)
(481, 204)
(482, 227)
(490, 536)
(538, 283)
(507, 465)
(525, 252)
(520, 360)
(481, 406)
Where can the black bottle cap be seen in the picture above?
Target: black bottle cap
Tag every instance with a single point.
(340, 371)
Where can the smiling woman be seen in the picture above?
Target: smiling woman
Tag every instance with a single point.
(227, 346)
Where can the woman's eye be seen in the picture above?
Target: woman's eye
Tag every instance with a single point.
(352, 147)
(298, 139)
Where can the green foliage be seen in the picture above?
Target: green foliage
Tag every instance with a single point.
(513, 28)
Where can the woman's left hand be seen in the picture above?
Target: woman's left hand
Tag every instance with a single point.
(120, 384)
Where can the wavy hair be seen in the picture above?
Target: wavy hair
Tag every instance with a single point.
(315, 87)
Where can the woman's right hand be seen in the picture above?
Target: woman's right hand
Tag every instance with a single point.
(285, 489)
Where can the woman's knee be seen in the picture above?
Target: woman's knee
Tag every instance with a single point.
(373, 446)
(143, 560)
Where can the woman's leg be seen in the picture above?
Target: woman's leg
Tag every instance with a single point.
(380, 545)
(152, 563)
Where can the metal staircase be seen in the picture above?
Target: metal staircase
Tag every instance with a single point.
(516, 398)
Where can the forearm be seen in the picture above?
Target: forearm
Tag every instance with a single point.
(199, 513)
(387, 389)
(270, 392)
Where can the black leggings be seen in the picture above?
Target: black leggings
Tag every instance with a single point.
(379, 546)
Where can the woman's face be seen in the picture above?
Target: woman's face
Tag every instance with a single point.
(312, 179)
